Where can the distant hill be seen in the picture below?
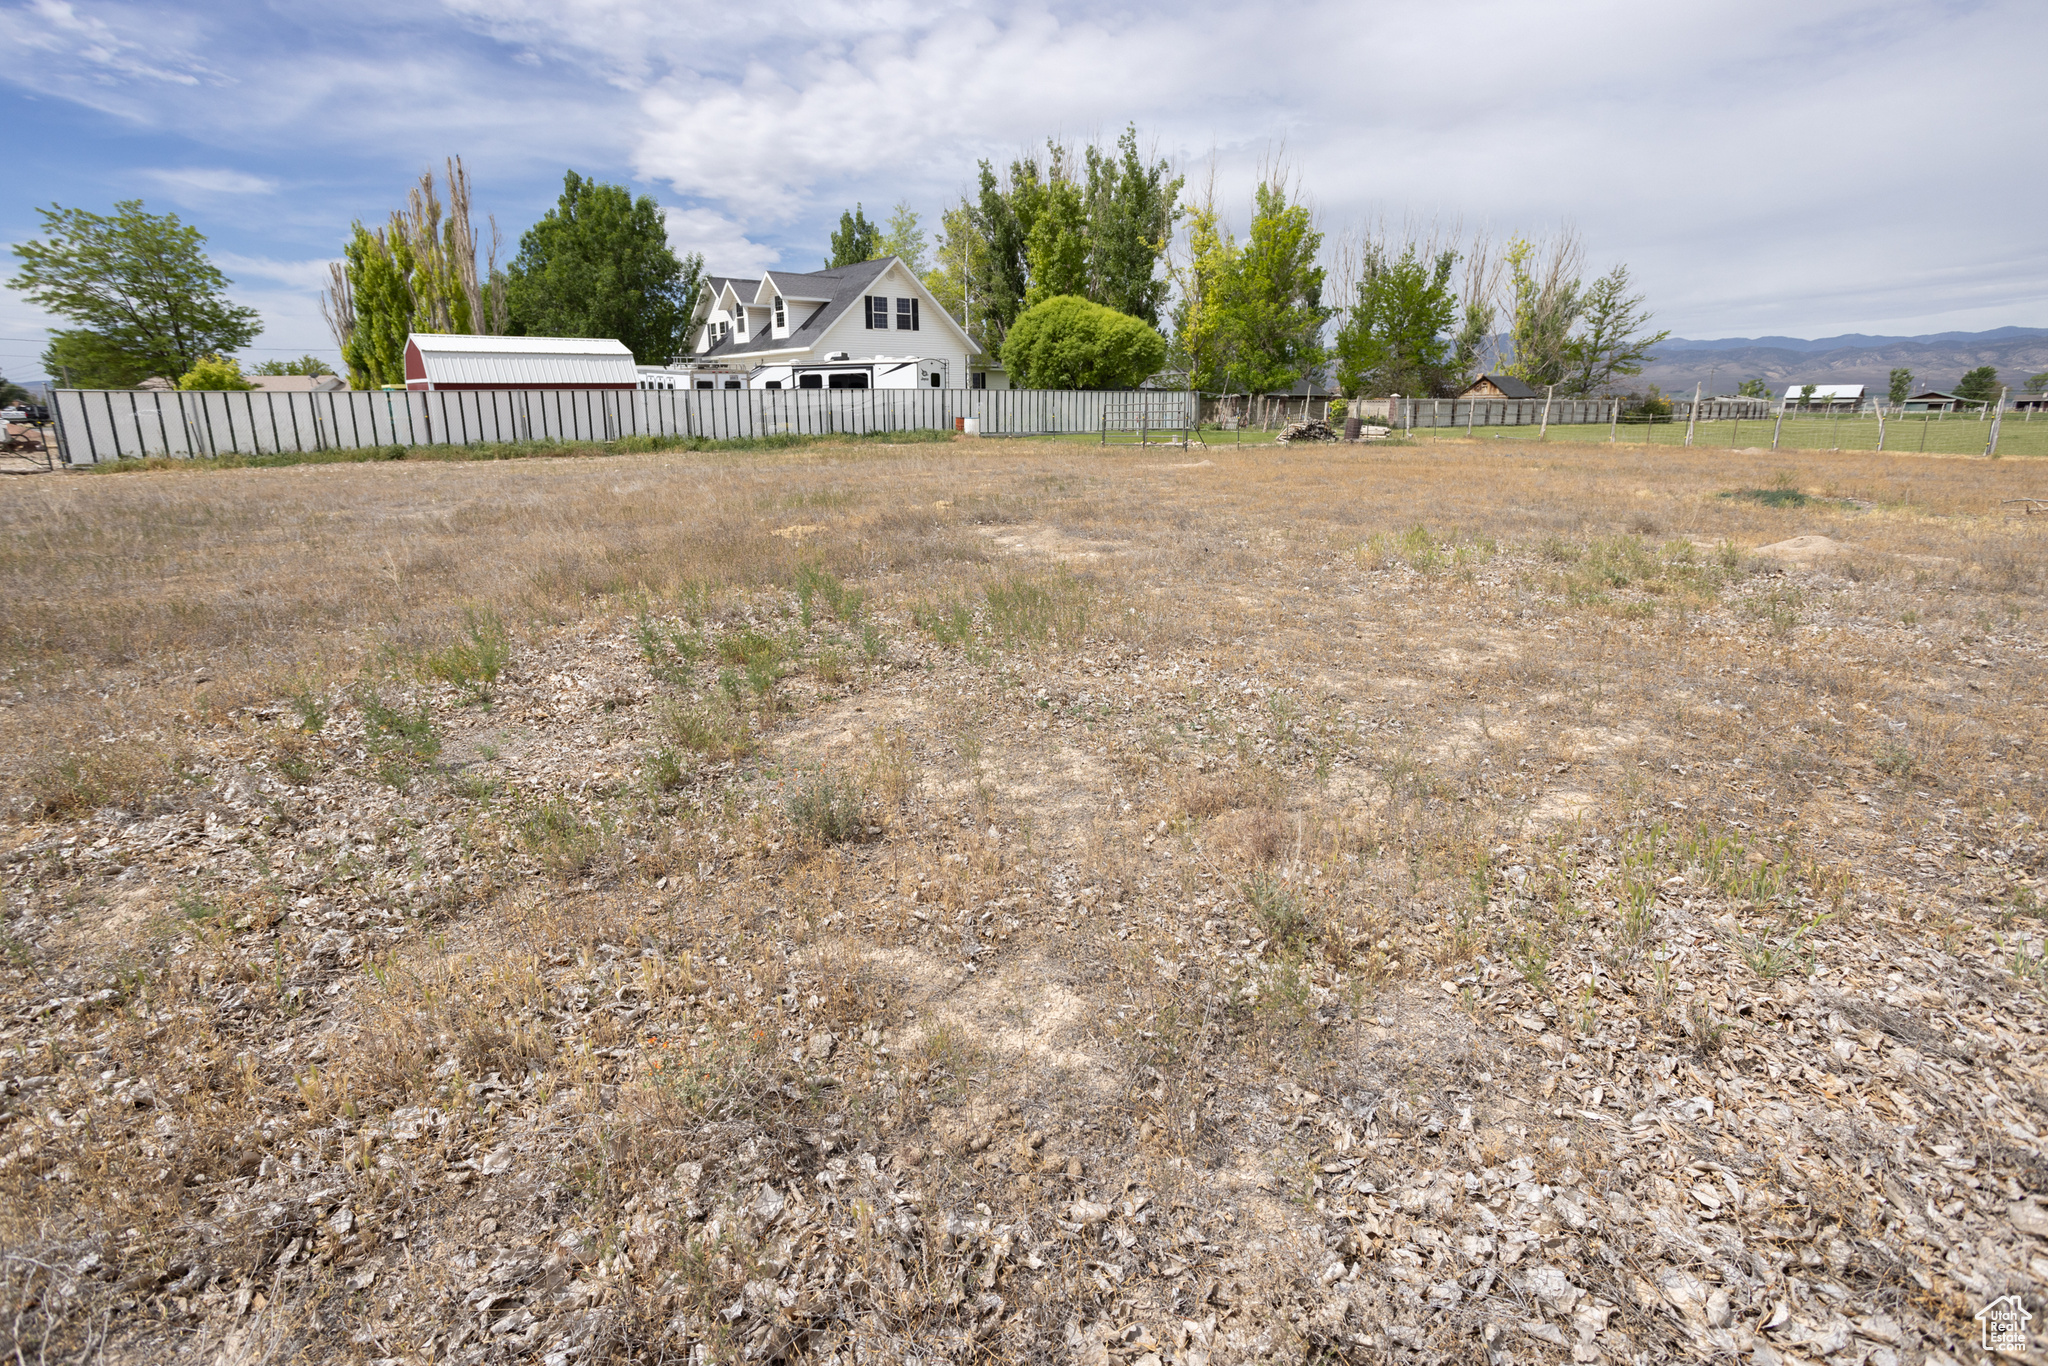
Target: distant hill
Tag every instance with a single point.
(1937, 360)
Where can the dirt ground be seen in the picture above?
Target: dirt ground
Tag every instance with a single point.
(988, 902)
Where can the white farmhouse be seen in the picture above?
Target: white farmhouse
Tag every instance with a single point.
(870, 326)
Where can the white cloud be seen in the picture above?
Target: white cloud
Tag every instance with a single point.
(305, 275)
(726, 248)
(1760, 169)
(202, 184)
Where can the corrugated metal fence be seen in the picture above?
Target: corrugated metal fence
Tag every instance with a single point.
(1529, 412)
(96, 425)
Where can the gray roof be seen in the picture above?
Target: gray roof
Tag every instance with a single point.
(1510, 386)
(841, 288)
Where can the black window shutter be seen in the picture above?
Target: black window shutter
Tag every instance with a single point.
(913, 315)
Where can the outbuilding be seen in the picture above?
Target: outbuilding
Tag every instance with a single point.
(1932, 401)
(1500, 386)
(453, 361)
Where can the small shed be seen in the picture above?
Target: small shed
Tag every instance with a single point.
(1932, 401)
(1499, 386)
(455, 361)
(2028, 403)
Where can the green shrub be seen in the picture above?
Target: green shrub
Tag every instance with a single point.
(827, 807)
(474, 660)
(399, 739)
(671, 652)
(1037, 609)
(1068, 342)
(716, 732)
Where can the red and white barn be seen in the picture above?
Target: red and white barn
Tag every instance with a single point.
(453, 361)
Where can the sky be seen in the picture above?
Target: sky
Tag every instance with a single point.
(1762, 169)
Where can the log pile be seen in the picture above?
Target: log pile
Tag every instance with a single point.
(1311, 430)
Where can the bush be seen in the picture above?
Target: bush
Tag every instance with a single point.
(473, 661)
(1069, 343)
(215, 372)
(827, 807)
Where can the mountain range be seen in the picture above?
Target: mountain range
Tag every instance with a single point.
(1937, 359)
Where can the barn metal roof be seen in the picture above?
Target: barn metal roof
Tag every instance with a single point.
(1825, 391)
(514, 362)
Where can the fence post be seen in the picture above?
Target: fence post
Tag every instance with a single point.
(1991, 446)
(1692, 415)
(1779, 427)
(1613, 418)
(1880, 426)
(1544, 427)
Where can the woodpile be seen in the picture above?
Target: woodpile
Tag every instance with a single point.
(1313, 429)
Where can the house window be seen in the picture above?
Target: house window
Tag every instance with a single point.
(878, 312)
(906, 315)
(781, 318)
(810, 381)
(740, 325)
(979, 380)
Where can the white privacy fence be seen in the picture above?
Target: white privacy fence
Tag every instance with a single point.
(98, 425)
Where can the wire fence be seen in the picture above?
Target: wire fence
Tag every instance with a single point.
(100, 425)
(1719, 424)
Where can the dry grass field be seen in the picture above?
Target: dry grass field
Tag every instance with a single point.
(986, 902)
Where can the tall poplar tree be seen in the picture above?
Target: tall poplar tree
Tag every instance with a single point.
(417, 273)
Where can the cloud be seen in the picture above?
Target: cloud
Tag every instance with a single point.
(199, 184)
(1754, 166)
(307, 275)
(726, 248)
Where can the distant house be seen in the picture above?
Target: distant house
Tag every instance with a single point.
(1499, 386)
(1932, 401)
(2028, 403)
(1832, 398)
(454, 361)
(867, 326)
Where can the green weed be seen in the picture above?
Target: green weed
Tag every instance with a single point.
(827, 807)
(473, 661)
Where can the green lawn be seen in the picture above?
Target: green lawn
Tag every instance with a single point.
(1935, 433)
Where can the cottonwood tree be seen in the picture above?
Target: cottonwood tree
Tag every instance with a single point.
(1901, 387)
(2036, 384)
(1394, 338)
(1251, 315)
(904, 238)
(147, 299)
(1612, 340)
(1753, 388)
(1096, 225)
(417, 273)
(599, 264)
(855, 241)
(1543, 305)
